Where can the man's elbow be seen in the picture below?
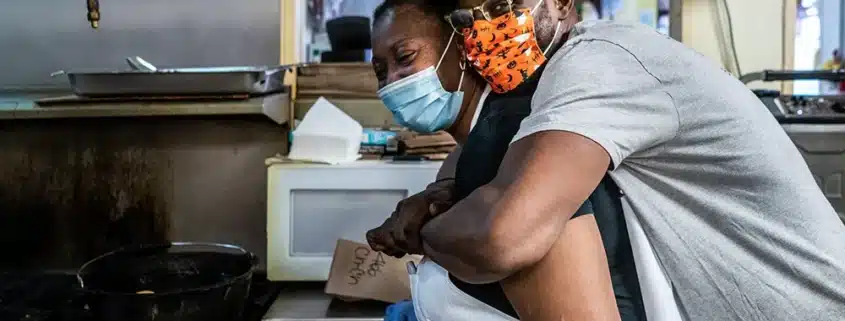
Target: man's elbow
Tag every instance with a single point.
(507, 252)
(496, 259)
(486, 254)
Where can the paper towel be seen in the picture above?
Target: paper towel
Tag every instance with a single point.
(326, 135)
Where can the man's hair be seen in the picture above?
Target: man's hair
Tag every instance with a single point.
(437, 8)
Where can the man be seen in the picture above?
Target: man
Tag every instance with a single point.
(735, 218)
(415, 54)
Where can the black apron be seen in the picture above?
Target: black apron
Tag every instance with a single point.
(481, 155)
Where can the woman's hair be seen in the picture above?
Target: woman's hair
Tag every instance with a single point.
(437, 8)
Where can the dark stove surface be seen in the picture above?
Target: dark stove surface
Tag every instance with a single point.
(789, 109)
(52, 297)
(37, 296)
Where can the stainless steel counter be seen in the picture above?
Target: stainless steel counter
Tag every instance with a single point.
(823, 148)
(276, 107)
(308, 302)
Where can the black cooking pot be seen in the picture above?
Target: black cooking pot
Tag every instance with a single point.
(168, 282)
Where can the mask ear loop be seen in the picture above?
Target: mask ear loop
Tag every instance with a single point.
(557, 28)
(443, 55)
(536, 6)
(463, 66)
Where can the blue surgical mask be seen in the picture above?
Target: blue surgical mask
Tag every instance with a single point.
(419, 101)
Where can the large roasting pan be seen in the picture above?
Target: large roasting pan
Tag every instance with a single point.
(181, 81)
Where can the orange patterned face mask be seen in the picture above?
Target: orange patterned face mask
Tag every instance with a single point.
(504, 50)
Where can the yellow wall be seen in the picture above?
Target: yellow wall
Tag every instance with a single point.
(289, 31)
(289, 51)
(763, 32)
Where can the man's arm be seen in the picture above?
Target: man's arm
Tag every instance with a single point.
(611, 108)
(512, 222)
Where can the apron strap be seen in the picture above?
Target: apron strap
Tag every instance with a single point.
(480, 106)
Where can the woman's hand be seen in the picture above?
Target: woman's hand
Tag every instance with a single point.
(400, 233)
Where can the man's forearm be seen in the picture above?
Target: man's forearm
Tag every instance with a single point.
(491, 234)
(460, 239)
(513, 221)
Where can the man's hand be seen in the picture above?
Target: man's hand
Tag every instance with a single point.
(400, 233)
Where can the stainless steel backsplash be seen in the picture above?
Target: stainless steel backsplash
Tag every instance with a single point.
(38, 37)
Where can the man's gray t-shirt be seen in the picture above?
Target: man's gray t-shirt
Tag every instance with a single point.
(735, 217)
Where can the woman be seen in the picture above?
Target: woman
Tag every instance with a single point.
(411, 41)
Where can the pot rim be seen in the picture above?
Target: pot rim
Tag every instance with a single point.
(244, 276)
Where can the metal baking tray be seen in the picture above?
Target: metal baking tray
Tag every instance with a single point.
(182, 81)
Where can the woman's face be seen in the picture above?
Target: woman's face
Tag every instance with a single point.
(407, 40)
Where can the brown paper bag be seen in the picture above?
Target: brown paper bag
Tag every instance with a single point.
(358, 272)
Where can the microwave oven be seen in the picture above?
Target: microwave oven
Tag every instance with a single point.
(311, 206)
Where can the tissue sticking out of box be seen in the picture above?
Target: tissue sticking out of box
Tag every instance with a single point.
(326, 135)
